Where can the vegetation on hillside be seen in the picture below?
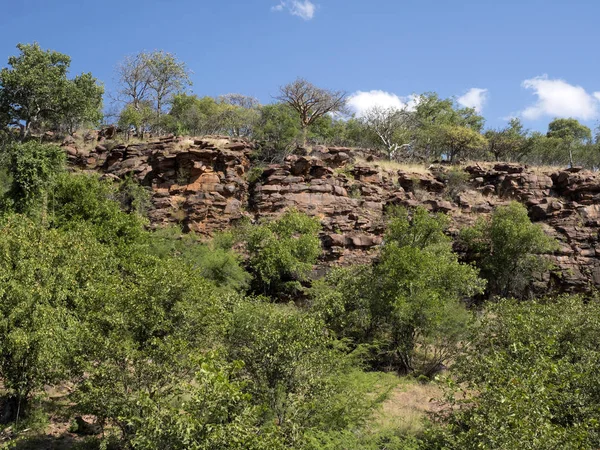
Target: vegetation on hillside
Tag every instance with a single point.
(159, 340)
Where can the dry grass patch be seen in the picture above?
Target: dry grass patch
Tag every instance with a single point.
(395, 166)
(407, 406)
(184, 144)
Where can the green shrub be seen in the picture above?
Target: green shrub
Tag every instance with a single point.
(78, 198)
(508, 247)
(531, 379)
(44, 275)
(456, 181)
(133, 197)
(210, 412)
(32, 168)
(215, 260)
(282, 252)
(254, 174)
(297, 370)
(406, 310)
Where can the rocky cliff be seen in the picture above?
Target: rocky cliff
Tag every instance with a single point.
(208, 184)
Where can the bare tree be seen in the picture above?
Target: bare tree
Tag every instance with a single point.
(241, 100)
(311, 102)
(134, 80)
(388, 124)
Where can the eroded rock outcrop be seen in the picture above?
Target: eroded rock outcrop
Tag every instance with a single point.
(202, 183)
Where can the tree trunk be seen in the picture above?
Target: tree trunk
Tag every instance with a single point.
(570, 156)
(304, 134)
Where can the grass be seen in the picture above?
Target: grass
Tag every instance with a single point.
(406, 407)
(184, 144)
(394, 165)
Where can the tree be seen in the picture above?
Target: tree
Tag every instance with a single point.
(508, 248)
(432, 115)
(530, 378)
(390, 127)
(35, 91)
(407, 308)
(311, 102)
(459, 141)
(571, 132)
(195, 115)
(33, 170)
(134, 80)
(283, 251)
(43, 273)
(240, 114)
(153, 77)
(277, 130)
(510, 143)
(168, 76)
(82, 102)
(296, 369)
(140, 118)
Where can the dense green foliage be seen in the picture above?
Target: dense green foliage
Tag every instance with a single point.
(407, 308)
(282, 252)
(508, 247)
(531, 370)
(35, 93)
(166, 340)
(145, 325)
(33, 170)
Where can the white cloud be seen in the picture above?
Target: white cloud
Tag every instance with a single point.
(362, 101)
(557, 98)
(304, 9)
(474, 98)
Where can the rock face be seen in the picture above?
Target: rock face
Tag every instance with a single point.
(202, 184)
(199, 183)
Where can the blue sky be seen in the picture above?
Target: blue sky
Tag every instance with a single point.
(536, 59)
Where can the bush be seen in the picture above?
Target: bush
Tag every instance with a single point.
(282, 252)
(507, 248)
(78, 198)
(407, 307)
(133, 197)
(531, 377)
(295, 369)
(44, 275)
(214, 260)
(33, 168)
(456, 181)
(210, 412)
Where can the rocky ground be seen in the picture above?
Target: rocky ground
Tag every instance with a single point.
(208, 184)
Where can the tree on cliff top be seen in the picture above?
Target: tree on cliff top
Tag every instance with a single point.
(311, 102)
(151, 77)
(571, 132)
(390, 125)
(35, 92)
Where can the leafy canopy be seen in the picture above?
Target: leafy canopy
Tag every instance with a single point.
(35, 92)
(508, 248)
(532, 378)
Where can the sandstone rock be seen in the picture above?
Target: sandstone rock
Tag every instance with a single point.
(202, 187)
